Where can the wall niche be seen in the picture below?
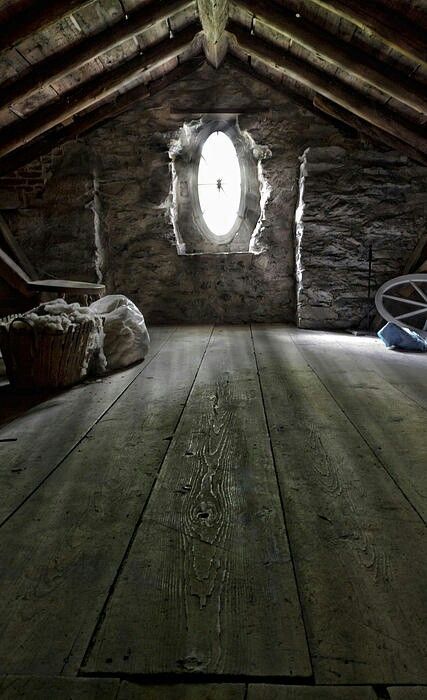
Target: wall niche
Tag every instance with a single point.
(240, 197)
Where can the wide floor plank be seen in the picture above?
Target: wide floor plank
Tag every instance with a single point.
(60, 552)
(263, 691)
(358, 545)
(408, 693)
(57, 688)
(182, 691)
(34, 444)
(208, 587)
(392, 423)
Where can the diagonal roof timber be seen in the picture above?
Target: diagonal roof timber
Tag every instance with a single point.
(64, 62)
(316, 80)
(28, 20)
(297, 97)
(394, 29)
(372, 132)
(82, 123)
(338, 52)
(94, 90)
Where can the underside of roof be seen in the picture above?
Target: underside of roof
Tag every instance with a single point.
(68, 65)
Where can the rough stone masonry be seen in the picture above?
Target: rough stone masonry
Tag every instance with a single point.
(103, 208)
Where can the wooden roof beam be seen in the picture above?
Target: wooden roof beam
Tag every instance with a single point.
(65, 61)
(338, 92)
(214, 16)
(94, 90)
(338, 52)
(28, 20)
(393, 29)
(82, 123)
(372, 132)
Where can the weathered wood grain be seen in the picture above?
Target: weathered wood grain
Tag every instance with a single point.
(390, 421)
(181, 691)
(337, 91)
(358, 545)
(33, 688)
(214, 16)
(408, 693)
(60, 552)
(263, 691)
(34, 444)
(208, 587)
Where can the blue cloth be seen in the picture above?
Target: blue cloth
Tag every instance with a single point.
(394, 336)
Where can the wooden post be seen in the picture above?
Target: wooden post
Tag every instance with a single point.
(214, 16)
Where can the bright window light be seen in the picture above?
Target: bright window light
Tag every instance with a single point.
(219, 183)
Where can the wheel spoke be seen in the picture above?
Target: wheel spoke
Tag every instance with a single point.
(413, 313)
(419, 290)
(403, 300)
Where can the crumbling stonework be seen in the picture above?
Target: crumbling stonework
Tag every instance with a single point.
(105, 210)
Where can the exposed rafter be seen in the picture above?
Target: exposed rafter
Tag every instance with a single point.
(28, 20)
(63, 62)
(214, 16)
(372, 132)
(338, 52)
(94, 90)
(96, 116)
(375, 18)
(300, 99)
(356, 102)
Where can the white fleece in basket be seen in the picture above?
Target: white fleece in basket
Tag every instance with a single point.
(57, 317)
(126, 338)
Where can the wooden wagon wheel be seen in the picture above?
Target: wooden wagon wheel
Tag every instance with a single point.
(403, 300)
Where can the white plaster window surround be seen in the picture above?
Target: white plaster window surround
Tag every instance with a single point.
(193, 234)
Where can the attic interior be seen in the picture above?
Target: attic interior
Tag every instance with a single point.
(235, 511)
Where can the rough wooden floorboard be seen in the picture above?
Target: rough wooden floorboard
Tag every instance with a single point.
(181, 691)
(208, 587)
(408, 693)
(60, 552)
(283, 692)
(358, 545)
(31, 688)
(39, 440)
(405, 371)
(392, 423)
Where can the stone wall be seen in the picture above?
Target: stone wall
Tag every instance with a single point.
(349, 200)
(103, 209)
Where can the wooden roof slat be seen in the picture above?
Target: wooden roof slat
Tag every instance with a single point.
(372, 132)
(377, 19)
(334, 90)
(62, 63)
(28, 20)
(82, 123)
(342, 54)
(94, 90)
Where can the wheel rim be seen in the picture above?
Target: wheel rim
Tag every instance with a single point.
(403, 300)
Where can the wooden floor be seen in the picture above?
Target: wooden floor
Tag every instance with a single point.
(240, 517)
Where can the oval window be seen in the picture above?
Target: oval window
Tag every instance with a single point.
(219, 183)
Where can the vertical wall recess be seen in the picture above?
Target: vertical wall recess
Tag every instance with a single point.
(349, 200)
(99, 250)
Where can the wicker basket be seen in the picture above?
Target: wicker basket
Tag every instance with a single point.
(43, 359)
